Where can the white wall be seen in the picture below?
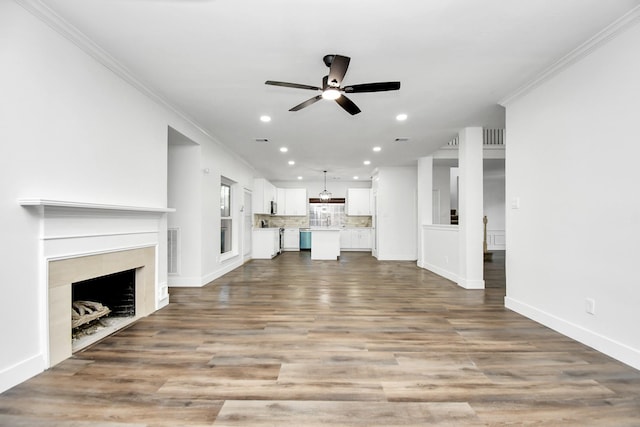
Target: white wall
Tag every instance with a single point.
(221, 162)
(441, 250)
(397, 224)
(184, 189)
(441, 176)
(73, 130)
(454, 175)
(494, 202)
(63, 136)
(572, 162)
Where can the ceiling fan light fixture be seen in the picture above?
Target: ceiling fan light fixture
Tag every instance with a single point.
(331, 86)
(331, 94)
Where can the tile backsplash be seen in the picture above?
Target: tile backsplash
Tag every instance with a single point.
(303, 221)
(358, 221)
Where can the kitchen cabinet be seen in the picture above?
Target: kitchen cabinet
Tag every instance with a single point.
(345, 238)
(263, 194)
(297, 202)
(291, 239)
(281, 200)
(361, 238)
(292, 201)
(265, 243)
(355, 239)
(359, 201)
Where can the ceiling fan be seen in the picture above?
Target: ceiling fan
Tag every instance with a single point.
(331, 89)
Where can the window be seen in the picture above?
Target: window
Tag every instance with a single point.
(326, 214)
(226, 221)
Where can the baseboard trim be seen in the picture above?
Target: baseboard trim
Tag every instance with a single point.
(21, 372)
(471, 283)
(221, 271)
(601, 343)
(440, 271)
(163, 302)
(185, 282)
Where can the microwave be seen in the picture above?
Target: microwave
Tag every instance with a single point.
(274, 208)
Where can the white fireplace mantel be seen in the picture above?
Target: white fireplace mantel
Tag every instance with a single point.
(90, 240)
(84, 205)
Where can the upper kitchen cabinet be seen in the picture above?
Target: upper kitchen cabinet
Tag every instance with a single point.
(281, 197)
(292, 201)
(263, 194)
(359, 201)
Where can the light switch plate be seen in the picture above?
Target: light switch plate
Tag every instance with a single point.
(590, 306)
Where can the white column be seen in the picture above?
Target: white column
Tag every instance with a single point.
(425, 199)
(470, 206)
(425, 190)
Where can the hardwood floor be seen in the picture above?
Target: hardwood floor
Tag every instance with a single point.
(357, 342)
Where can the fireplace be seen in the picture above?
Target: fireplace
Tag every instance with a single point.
(80, 241)
(129, 273)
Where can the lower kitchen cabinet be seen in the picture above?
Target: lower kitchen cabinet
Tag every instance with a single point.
(265, 243)
(291, 239)
(355, 239)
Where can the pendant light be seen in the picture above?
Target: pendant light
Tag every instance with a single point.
(325, 196)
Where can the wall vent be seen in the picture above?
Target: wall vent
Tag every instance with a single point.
(172, 250)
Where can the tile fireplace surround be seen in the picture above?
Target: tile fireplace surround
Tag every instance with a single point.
(80, 241)
(63, 273)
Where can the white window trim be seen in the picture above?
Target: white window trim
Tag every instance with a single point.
(234, 220)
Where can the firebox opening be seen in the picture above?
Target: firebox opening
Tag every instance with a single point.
(102, 302)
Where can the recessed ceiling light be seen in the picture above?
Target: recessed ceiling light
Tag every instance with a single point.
(284, 149)
(299, 177)
(367, 162)
(265, 119)
(356, 177)
(401, 117)
(291, 162)
(376, 149)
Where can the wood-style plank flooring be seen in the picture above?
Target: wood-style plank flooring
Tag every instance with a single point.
(357, 342)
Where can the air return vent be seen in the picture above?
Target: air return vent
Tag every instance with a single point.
(172, 250)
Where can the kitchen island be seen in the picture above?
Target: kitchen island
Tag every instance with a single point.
(325, 243)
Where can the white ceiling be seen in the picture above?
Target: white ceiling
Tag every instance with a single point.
(456, 60)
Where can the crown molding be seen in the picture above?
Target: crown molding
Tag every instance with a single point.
(71, 33)
(604, 36)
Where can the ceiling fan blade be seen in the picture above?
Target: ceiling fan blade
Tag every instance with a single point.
(338, 69)
(348, 105)
(307, 103)
(291, 85)
(372, 87)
